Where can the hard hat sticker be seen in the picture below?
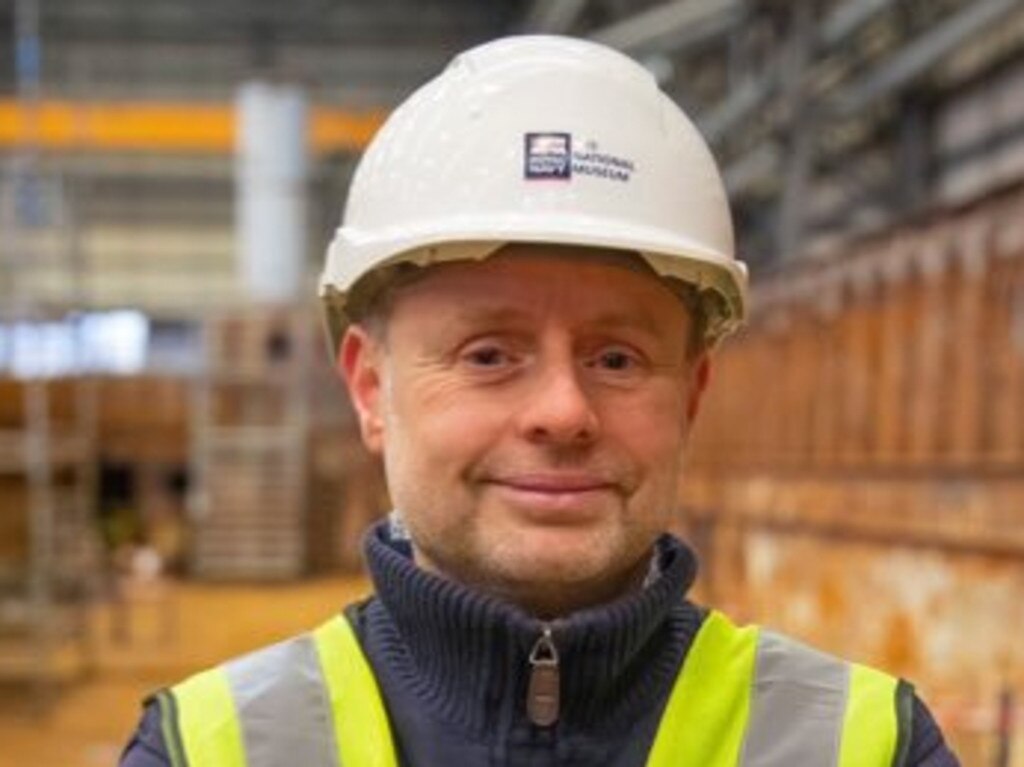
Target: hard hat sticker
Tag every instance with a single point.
(548, 155)
(551, 156)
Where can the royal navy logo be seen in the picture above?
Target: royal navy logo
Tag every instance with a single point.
(551, 155)
(548, 156)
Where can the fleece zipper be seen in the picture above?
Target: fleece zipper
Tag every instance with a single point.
(543, 699)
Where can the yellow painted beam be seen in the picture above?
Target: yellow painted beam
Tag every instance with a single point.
(139, 126)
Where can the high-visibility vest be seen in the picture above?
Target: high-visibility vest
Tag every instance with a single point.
(745, 697)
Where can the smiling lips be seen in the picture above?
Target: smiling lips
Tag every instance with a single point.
(554, 494)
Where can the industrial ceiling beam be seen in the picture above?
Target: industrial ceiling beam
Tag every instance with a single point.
(847, 18)
(227, 21)
(671, 27)
(757, 164)
(553, 17)
(163, 127)
(844, 20)
(199, 67)
(916, 58)
(716, 122)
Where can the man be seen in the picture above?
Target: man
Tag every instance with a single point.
(535, 262)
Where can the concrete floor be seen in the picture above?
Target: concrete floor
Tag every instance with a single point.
(90, 719)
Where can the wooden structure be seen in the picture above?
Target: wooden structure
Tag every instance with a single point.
(249, 432)
(857, 474)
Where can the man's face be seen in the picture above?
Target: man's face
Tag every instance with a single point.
(532, 411)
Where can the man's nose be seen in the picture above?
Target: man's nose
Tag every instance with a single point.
(559, 409)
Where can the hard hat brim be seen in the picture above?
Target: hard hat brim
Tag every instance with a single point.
(667, 253)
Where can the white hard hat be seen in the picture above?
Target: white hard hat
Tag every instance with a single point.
(538, 139)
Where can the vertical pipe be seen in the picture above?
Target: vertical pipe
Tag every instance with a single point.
(965, 394)
(828, 381)
(893, 363)
(997, 435)
(858, 376)
(924, 408)
(773, 352)
(764, 419)
(791, 372)
(740, 425)
(271, 177)
(24, 163)
(875, 381)
(805, 364)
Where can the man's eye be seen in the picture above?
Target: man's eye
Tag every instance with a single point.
(486, 356)
(616, 360)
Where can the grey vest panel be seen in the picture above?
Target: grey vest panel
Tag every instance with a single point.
(797, 706)
(283, 706)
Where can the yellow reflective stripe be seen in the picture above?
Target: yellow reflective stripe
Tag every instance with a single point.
(870, 727)
(208, 722)
(360, 722)
(706, 716)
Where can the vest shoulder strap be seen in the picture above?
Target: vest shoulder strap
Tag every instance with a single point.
(311, 700)
(706, 714)
(360, 719)
(747, 697)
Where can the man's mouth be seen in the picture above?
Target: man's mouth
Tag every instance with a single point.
(555, 483)
(555, 496)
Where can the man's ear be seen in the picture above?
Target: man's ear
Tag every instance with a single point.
(700, 373)
(360, 361)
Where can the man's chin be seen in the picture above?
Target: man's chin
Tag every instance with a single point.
(583, 551)
(581, 572)
(549, 570)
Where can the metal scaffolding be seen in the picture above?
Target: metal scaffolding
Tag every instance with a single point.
(50, 559)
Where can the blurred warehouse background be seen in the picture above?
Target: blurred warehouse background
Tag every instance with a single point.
(172, 435)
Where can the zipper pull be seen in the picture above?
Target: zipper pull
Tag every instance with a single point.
(542, 697)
